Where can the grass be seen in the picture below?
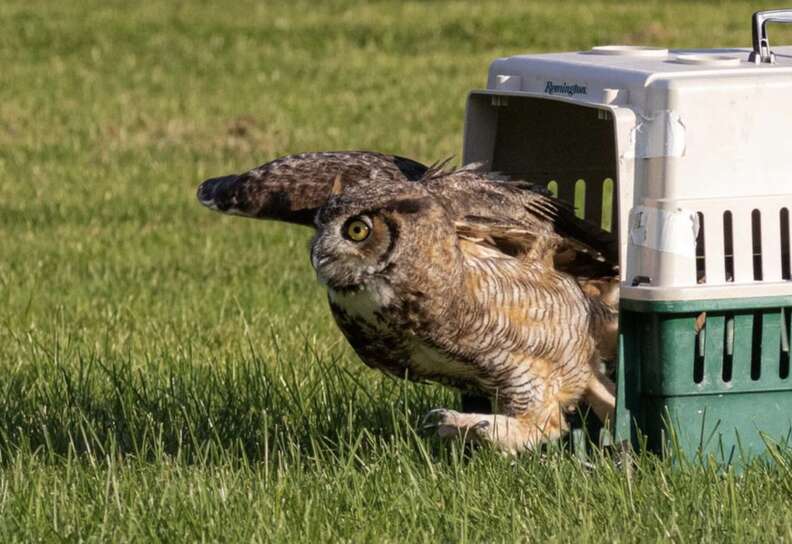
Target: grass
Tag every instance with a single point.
(169, 374)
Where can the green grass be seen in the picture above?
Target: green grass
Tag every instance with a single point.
(172, 374)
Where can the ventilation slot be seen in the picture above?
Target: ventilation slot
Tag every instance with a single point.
(701, 266)
(783, 368)
(698, 355)
(785, 266)
(756, 346)
(728, 246)
(580, 198)
(728, 349)
(607, 205)
(756, 239)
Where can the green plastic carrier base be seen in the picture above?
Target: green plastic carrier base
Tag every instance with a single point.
(707, 379)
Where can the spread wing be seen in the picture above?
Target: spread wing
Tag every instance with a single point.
(294, 187)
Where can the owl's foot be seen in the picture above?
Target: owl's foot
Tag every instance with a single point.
(450, 423)
(507, 433)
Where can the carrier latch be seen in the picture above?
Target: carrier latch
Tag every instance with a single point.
(761, 45)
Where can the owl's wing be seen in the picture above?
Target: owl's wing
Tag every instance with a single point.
(294, 187)
(582, 235)
(467, 192)
(523, 219)
(585, 249)
(525, 242)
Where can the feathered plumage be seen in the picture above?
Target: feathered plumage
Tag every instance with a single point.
(417, 299)
(537, 282)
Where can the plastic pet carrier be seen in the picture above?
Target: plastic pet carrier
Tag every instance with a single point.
(686, 157)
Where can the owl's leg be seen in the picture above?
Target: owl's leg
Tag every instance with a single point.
(601, 396)
(508, 433)
(533, 412)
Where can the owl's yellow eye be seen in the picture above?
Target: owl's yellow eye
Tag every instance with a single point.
(357, 230)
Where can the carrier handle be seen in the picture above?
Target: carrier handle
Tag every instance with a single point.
(761, 45)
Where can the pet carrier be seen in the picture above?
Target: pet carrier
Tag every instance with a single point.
(686, 157)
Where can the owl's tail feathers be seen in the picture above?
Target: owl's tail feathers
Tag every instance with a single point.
(601, 396)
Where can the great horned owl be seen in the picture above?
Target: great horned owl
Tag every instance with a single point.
(425, 292)
(513, 218)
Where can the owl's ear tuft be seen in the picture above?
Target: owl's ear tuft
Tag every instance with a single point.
(338, 185)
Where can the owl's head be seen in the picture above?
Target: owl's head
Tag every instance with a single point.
(386, 231)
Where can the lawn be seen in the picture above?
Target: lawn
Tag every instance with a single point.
(170, 374)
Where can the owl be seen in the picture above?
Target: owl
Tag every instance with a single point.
(515, 218)
(431, 288)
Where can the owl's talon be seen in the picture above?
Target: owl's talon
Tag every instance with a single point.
(434, 412)
(450, 423)
(434, 418)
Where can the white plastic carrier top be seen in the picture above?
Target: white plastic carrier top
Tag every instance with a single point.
(697, 142)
